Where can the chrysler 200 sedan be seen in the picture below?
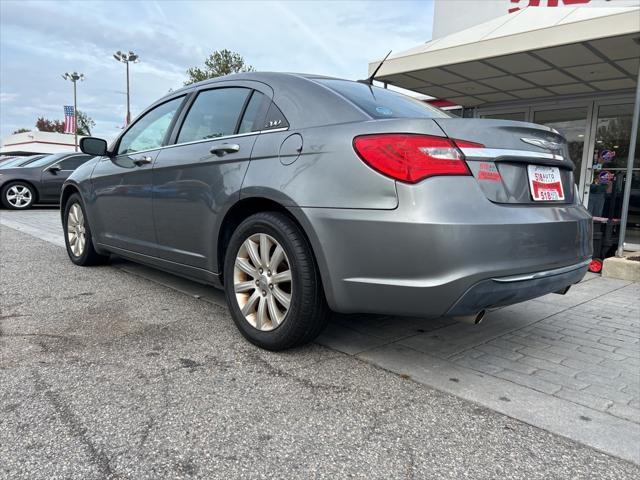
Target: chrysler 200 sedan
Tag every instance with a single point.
(302, 194)
(36, 179)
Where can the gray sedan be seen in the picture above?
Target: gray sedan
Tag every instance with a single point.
(36, 179)
(302, 194)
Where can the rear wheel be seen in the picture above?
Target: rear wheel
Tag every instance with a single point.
(77, 238)
(18, 196)
(272, 284)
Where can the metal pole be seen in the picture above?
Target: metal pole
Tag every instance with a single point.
(128, 105)
(75, 115)
(630, 159)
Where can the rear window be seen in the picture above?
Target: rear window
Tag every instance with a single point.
(380, 102)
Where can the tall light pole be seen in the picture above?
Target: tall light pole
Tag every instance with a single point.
(126, 58)
(74, 77)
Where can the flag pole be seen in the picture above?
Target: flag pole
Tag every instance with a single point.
(74, 77)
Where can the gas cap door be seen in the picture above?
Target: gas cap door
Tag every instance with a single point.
(290, 149)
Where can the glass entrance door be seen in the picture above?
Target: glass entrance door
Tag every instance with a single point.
(612, 133)
(572, 123)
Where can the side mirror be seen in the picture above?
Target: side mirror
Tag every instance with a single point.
(93, 146)
(55, 168)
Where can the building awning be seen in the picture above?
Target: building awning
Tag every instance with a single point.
(530, 54)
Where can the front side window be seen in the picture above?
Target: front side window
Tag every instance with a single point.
(149, 132)
(214, 114)
(44, 161)
(74, 162)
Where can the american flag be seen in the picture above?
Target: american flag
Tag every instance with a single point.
(69, 120)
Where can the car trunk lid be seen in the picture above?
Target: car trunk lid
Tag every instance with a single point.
(515, 159)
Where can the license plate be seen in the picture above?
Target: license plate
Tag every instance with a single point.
(545, 183)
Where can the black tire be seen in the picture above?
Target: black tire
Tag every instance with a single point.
(308, 311)
(32, 193)
(88, 256)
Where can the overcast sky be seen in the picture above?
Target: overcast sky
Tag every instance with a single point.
(41, 40)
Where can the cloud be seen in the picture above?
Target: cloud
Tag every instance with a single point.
(39, 40)
(6, 97)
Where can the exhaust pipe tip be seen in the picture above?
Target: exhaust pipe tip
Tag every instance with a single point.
(472, 319)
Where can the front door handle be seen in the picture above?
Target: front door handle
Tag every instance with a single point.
(142, 160)
(225, 148)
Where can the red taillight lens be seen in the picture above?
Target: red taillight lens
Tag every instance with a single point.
(410, 158)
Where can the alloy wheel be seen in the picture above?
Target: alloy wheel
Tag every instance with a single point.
(19, 196)
(76, 232)
(262, 281)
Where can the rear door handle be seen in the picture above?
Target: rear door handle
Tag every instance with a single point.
(225, 148)
(142, 160)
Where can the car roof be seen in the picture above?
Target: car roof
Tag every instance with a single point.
(303, 101)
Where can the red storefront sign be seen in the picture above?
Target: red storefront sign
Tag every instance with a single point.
(544, 3)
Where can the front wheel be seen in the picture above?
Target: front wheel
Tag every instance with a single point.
(18, 196)
(272, 284)
(77, 234)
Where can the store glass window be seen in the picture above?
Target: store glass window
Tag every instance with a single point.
(572, 125)
(611, 152)
(517, 116)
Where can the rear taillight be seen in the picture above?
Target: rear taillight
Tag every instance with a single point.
(410, 158)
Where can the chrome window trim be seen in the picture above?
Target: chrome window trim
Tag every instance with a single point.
(226, 137)
(493, 153)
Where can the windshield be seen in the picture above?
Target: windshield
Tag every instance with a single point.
(381, 102)
(20, 161)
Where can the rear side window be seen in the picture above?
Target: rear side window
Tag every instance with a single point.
(381, 102)
(214, 114)
(251, 113)
(72, 163)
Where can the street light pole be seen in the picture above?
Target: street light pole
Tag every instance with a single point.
(128, 97)
(126, 58)
(75, 116)
(74, 77)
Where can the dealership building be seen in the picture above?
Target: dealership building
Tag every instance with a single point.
(35, 142)
(569, 64)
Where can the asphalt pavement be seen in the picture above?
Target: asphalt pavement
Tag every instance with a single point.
(107, 375)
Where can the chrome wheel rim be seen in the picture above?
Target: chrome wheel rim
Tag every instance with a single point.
(262, 282)
(19, 196)
(76, 233)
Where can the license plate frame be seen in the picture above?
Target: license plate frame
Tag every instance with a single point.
(545, 183)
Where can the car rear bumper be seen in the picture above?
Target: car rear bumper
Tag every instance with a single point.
(445, 250)
(501, 291)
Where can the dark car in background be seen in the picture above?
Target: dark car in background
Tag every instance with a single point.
(301, 194)
(25, 181)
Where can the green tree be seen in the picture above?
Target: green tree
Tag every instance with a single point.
(21, 130)
(46, 125)
(219, 63)
(84, 123)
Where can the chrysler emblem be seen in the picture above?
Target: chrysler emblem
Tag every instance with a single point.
(546, 144)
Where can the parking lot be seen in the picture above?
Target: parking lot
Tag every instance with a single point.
(126, 372)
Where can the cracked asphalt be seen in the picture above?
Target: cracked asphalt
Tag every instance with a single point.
(105, 375)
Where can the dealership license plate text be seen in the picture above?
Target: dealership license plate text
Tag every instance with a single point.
(545, 183)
